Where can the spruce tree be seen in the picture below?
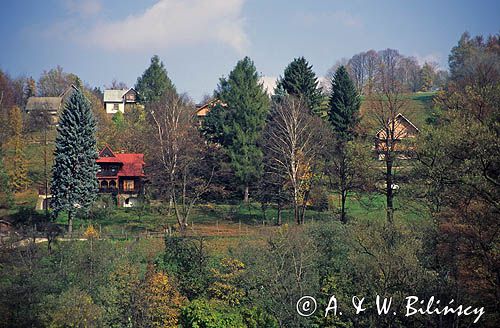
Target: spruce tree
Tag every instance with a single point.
(343, 116)
(74, 183)
(153, 82)
(300, 81)
(238, 121)
(344, 105)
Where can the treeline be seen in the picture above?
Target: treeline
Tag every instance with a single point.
(363, 70)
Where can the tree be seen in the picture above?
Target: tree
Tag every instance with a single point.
(293, 145)
(237, 121)
(74, 184)
(30, 88)
(179, 154)
(428, 76)
(74, 308)
(357, 65)
(19, 165)
(457, 174)
(6, 198)
(54, 82)
(158, 301)
(117, 85)
(300, 81)
(344, 117)
(387, 101)
(118, 120)
(154, 82)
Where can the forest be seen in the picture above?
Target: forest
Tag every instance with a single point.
(382, 181)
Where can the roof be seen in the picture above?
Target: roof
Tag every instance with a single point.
(203, 109)
(43, 103)
(132, 164)
(400, 116)
(115, 95)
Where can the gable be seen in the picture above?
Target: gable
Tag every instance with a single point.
(130, 95)
(403, 128)
(106, 152)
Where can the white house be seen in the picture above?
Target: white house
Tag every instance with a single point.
(116, 100)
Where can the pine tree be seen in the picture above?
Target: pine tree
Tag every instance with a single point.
(74, 184)
(300, 81)
(344, 117)
(238, 121)
(154, 82)
(344, 105)
(19, 169)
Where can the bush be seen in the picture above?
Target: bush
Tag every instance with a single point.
(205, 314)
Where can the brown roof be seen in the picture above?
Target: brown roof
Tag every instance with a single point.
(44, 103)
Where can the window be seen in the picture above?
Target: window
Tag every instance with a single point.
(128, 185)
(115, 107)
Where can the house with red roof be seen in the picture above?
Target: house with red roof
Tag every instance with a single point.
(121, 175)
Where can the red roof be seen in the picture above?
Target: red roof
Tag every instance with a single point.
(132, 164)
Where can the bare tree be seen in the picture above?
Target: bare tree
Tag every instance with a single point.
(292, 144)
(357, 68)
(178, 150)
(371, 62)
(385, 104)
(117, 85)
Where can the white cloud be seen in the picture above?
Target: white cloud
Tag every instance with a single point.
(175, 22)
(269, 83)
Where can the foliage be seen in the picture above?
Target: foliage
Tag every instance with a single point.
(224, 287)
(158, 301)
(300, 81)
(73, 308)
(6, 197)
(201, 313)
(154, 82)
(54, 82)
(74, 185)
(238, 119)
(18, 169)
(118, 120)
(344, 106)
(187, 260)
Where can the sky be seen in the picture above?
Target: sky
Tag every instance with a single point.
(200, 41)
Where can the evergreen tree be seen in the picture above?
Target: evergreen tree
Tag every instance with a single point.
(74, 184)
(344, 105)
(300, 81)
(19, 169)
(153, 82)
(343, 116)
(238, 120)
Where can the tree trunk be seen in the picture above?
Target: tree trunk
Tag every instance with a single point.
(279, 207)
(389, 183)
(245, 194)
(343, 218)
(70, 223)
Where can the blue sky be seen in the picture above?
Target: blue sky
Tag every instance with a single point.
(200, 40)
